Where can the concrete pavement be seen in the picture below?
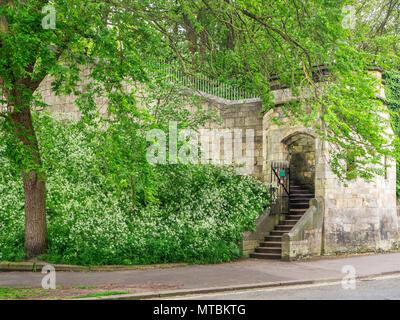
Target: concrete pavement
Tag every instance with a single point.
(245, 273)
(379, 288)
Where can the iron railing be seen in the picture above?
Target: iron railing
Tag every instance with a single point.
(280, 187)
(202, 83)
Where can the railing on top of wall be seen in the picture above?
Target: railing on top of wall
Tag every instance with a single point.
(197, 83)
(203, 84)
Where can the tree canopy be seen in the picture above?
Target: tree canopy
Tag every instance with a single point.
(251, 43)
(57, 39)
(246, 43)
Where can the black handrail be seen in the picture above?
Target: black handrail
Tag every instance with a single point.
(282, 192)
(279, 179)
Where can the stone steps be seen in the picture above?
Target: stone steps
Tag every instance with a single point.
(278, 233)
(265, 255)
(297, 200)
(299, 205)
(283, 227)
(271, 247)
(293, 217)
(269, 250)
(290, 222)
(271, 244)
(295, 196)
(273, 239)
(297, 209)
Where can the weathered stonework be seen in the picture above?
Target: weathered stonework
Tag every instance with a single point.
(306, 237)
(357, 218)
(360, 217)
(264, 224)
(241, 116)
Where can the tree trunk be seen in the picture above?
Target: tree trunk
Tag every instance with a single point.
(191, 34)
(34, 183)
(35, 214)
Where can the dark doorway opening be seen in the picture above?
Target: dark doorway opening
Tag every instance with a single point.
(302, 163)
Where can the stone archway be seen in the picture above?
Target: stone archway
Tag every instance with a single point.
(301, 158)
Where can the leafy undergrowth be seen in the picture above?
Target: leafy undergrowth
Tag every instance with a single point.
(197, 212)
(392, 90)
(64, 292)
(16, 293)
(99, 294)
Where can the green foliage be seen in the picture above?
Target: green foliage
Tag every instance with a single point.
(108, 41)
(393, 103)
(393, 98)
(11, 207)
(105, 41)
(245, 43)
(17, 293)
(377, 31)
(257, 43)
(99, 294)
(198, 217)
(124, 144)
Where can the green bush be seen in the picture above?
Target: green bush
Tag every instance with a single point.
(199, 216)
(392, 91)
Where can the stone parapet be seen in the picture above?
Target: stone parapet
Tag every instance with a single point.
(306, 237)
(264, 225)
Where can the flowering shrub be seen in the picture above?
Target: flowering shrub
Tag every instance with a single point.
(199, 216)
(11, 212)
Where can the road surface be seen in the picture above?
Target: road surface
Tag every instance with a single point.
(378, 288)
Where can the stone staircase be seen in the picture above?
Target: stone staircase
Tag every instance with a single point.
(270, 248)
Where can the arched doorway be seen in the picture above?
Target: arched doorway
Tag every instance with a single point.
(301, 159)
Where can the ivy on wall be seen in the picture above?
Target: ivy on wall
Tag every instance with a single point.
(393, 102)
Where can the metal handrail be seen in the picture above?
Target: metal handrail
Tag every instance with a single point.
(282, 191)
(279, 179)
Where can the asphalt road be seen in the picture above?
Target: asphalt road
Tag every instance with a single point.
(379, 288)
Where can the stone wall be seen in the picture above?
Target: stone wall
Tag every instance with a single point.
(357, 218)
(244, 117)
(398, 217)
(279, 137)
(264, 225)
(64, 105)
(360, 217)
(241, 115)
(306, 237)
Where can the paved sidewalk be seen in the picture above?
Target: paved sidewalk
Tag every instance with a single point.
(243, 273)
